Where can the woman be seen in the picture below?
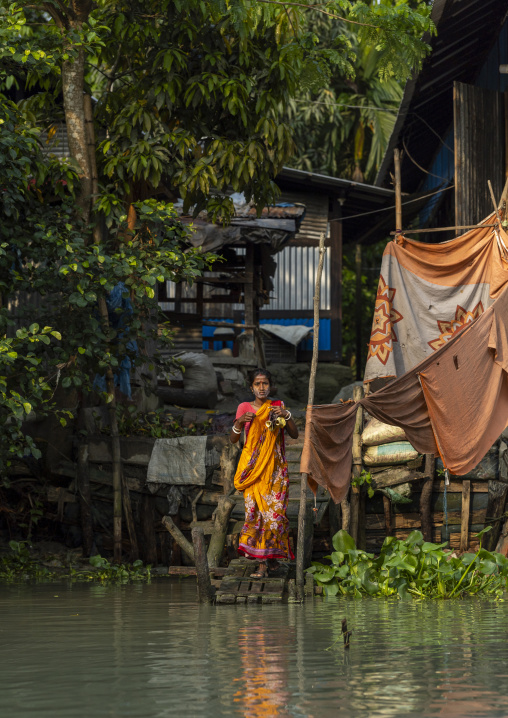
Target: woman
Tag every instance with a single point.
(262, 474)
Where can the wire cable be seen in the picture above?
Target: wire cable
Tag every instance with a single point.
(386, 209)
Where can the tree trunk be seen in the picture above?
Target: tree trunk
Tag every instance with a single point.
(73, 100)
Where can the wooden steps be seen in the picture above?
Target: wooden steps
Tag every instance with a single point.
(238, 587)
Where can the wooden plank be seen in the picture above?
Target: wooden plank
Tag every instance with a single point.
(455, 486)
(393, 477)
(376, 522)
(464, 522)
(191, 571)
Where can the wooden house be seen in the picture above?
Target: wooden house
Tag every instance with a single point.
(452, 133)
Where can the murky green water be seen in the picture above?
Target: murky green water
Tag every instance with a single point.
(151, 651)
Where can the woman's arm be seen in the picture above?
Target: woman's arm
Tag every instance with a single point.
(238, 424)
(290, 424)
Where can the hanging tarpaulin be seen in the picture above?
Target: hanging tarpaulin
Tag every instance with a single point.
(427, 293)
(454, 403)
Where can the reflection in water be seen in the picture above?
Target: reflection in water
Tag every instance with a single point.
(261, 690)
(151, 651)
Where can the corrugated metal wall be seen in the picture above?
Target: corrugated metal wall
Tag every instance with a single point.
(315, 220)
(295, 278)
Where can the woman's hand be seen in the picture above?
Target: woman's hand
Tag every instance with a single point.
(290, 424)
(245, 418)
(279, 411)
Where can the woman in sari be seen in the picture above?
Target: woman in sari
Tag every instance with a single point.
(262, 475)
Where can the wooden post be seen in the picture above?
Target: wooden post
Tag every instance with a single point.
(345, 508)
(127, 509)
(426, 499)
(300, 550)
(228, 462)
(220, 529)
(175, 532)
(356, 518)
(248, 347)
(398, 191)
(498, 491)
(387, 507)
(147, 516)
(336, 282)
(358, 311)
(205, 590)
(464, 515)
(85, 499)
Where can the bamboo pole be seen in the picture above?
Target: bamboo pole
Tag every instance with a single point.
(312, 383)
(464, 515)
(398, 192)
(442, 229)
(356, 514)
(494, 203)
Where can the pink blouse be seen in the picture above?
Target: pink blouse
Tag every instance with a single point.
(246, 406)
(243, 408)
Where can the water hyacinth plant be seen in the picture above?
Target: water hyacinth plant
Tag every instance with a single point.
(411, 567)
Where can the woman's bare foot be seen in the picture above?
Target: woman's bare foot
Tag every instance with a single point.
(262, 571)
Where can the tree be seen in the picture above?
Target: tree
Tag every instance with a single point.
(343, 129)
(158, 98)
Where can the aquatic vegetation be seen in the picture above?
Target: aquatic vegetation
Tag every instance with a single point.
(413, 566)
(107, 572)
(21, 565)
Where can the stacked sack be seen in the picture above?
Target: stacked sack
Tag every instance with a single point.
(385, 445)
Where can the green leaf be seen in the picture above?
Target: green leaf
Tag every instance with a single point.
(66, 382)
(343, 542)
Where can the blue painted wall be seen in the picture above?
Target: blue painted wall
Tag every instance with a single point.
(324, 332)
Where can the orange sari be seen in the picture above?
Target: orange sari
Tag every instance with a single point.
(262, 475)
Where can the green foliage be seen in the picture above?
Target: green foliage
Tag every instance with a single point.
(24, 387)
(154, 424)
(364, 479)
(193, 94)
(20, 565)
(414, 566)
(342, 128)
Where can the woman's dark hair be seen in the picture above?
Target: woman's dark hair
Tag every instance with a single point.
(259, 372)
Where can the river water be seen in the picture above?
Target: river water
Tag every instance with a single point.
(88, 651)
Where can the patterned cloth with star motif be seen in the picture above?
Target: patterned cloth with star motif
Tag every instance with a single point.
(428, 293)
